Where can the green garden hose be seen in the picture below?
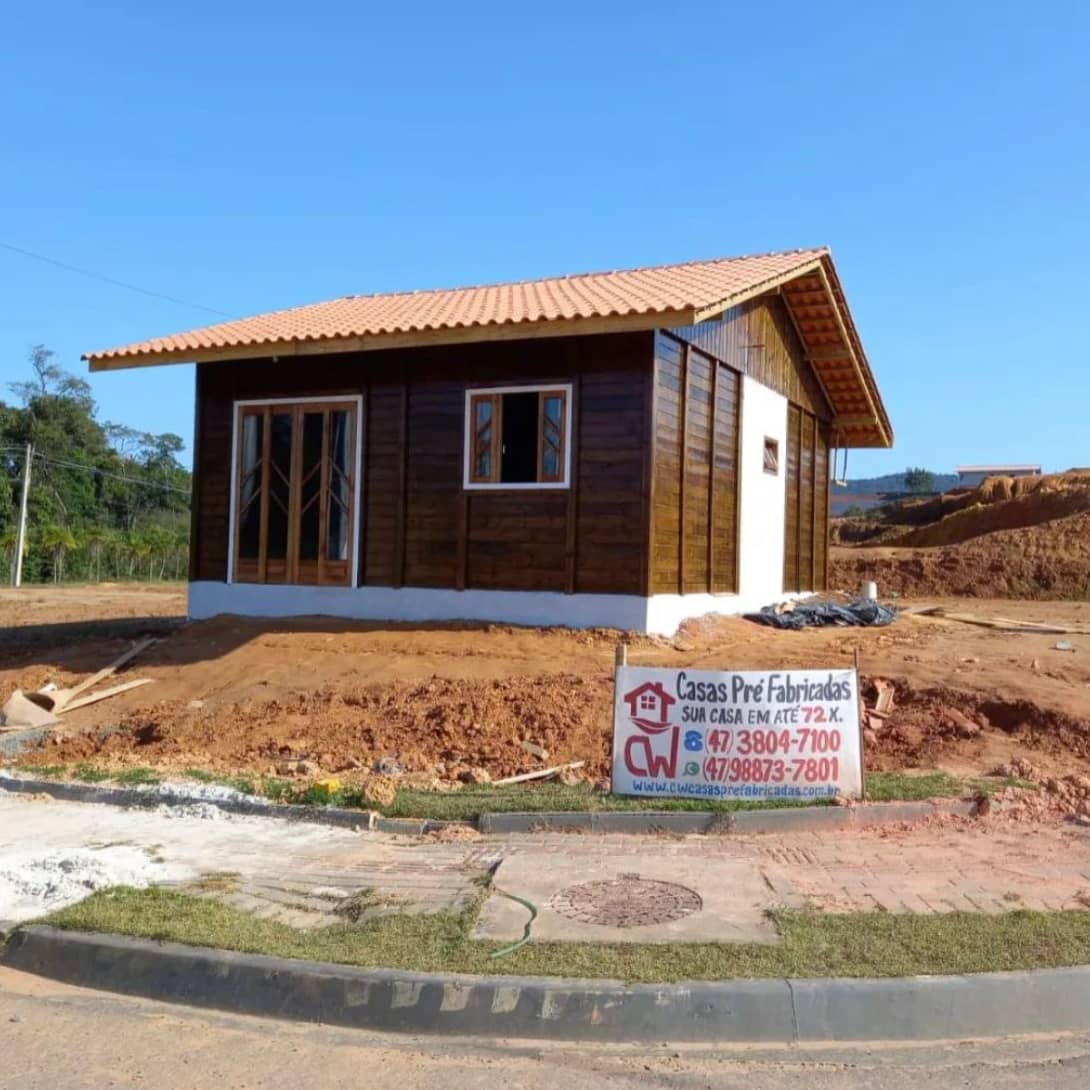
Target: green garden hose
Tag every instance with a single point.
(502, 953)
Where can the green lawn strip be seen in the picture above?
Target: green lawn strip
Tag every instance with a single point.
(468, 803)
(814, 944)
(247, 785)
(920, 786)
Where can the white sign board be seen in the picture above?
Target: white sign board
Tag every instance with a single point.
(769, 734)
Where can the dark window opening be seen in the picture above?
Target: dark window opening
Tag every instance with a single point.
(517, 438)
(518, 451)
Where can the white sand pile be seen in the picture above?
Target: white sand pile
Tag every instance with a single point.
(32, 884)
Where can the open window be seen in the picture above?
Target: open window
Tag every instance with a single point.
(295, 496)
(518, 437)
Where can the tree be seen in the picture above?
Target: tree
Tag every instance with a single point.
(9, 539)
(96, 538)
(58, 540)
(51, 381)
(918, 479)
(93, 481)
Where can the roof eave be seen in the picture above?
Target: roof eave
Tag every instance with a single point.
(506, 331)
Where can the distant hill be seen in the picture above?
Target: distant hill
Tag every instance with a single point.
(891, 482)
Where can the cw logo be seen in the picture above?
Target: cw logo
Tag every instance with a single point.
(654, 752)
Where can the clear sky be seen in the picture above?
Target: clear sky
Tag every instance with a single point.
(250, 156)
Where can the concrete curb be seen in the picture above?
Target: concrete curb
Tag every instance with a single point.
(748, 1011)
(148, 799)
(799, 819)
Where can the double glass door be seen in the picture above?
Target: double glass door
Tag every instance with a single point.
(295, 489)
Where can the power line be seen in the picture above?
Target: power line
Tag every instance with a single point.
(110, 280)
(111, 476)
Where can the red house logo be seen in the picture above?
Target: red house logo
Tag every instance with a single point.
(649, 708)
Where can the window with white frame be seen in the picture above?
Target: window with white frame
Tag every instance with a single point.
(518, 437)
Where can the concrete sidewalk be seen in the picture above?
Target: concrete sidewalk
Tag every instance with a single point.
(618, 888)
(292, 872)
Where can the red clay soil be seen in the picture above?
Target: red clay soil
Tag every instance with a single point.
(1049, 562)
(319, 696)
(999, 503)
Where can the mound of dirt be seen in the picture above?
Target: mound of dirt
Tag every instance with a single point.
(933, 727)
(997, 508)
(436, 706)
(1049, 561)
(443, 728)
(999, 503)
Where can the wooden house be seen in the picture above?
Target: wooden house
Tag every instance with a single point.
(625, 448)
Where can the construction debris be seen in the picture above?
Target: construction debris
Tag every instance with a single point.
(883, 705)
(57, 700)
(962, 724)
(541, 774)
(817, 614)
(105, 694)
(1003, 624)
(41, 708)
(21, 713)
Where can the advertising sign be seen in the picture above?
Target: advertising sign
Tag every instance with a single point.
(769, 734)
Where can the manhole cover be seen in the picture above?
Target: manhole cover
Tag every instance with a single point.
(626, 901)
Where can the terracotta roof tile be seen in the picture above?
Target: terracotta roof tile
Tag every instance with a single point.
(645, 298)
(655, 290)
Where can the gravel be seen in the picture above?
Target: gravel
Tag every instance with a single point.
(34, 883)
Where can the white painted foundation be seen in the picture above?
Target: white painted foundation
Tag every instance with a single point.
(760, 566)
(660, 614)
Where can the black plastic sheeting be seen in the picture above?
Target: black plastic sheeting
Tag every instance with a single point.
(861, 614)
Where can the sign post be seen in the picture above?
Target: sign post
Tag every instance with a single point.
(770, 734)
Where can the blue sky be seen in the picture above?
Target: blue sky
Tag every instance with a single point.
(252, 156)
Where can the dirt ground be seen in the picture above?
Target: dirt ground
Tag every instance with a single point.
(1046, 562)
(1025, 537)
(323, 696)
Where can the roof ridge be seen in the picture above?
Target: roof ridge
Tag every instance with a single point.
(816, 250)
(421, 293)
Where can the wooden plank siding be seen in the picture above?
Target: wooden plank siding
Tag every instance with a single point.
(419, 527)
(694, 513)
(652, 502)
(806, 507)
(665, 574)
(725, 469)
(792, 490)
(758, 339)
(821, 508)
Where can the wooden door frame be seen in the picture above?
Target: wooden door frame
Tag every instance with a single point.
(332, 400)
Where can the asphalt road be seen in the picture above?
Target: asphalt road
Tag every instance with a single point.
(62, 1038)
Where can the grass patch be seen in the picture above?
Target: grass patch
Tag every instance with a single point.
(814, 944)
(44, 772)
(219, 881)
(133, 777)
(918, 787)
(87, 773)
(244, 784)
(128, 777)
(468, 803)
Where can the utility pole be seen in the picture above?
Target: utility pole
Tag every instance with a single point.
(20, 537)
